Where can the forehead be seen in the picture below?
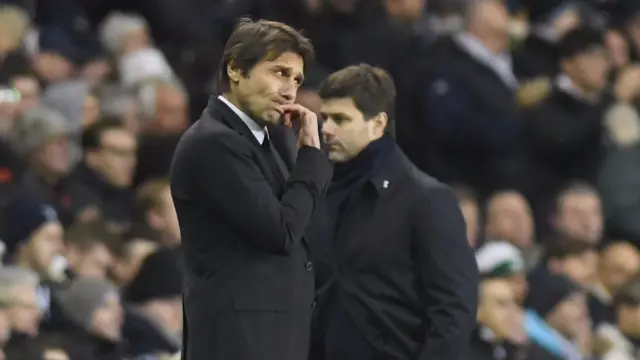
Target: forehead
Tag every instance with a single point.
(582, 197)
(289, 60)
(117, 136)
(496, 290)
(339, 106)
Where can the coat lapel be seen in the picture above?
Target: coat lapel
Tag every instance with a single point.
(278, 137)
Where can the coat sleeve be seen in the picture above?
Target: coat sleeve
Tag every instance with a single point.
(229, 179)
(449, 274)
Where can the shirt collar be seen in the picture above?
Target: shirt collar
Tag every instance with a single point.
(257, 131)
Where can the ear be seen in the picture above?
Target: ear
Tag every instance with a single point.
(233, 72)
(380, 123)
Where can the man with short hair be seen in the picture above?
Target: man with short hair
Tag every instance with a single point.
(108, 167)
(244, 202)
(396, 277)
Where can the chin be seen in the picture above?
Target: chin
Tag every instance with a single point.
(272, 117)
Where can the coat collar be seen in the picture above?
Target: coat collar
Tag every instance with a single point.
(396, 166)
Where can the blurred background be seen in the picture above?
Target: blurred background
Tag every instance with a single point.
(528, 108)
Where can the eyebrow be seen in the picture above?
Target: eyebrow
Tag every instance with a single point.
(299, 76)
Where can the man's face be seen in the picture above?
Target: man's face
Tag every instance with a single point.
(510, 219)
(268, 86)
(580, 217)
(25, 314)
(94, 262)
(116, 158)
(45, 244)
(53, 156)
(589, 69)
(569, 314)
(125, 268)
(497, 307)
(345, 130)
(172, 110)
(107, 319)
(618, 265)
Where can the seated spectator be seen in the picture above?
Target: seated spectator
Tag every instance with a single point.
(563, 129)
(128, 257)
(576, 260)
(93, 306)
(578, 214)
(499, 321)
(154, 321)
(156, 212)
(108, 168)
(509, 218)
(43, 138)
(562, 304)
(621, 336)
(34, 238)
(88, 251)
(20, 289)
(619, 262)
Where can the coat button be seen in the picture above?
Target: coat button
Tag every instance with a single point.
(308, 266)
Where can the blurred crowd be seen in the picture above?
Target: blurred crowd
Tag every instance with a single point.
(528, 108)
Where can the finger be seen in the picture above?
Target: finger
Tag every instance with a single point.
(287, 119)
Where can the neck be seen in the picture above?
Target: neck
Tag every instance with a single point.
(365, 162)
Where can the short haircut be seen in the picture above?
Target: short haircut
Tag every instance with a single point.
(85, 235)
(562, 248)
(254, 41)
(574, 187)
(371, 88)
(92, 135)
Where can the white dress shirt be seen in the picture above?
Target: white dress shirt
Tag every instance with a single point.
(257, 131)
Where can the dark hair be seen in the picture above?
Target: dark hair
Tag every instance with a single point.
(371, 88)
(85, 235)
(629, 294)
(574, 187)
(563, 248)
(254, 41)
(92, 135)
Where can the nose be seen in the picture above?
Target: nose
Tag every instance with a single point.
(288, 92)
(328, 127)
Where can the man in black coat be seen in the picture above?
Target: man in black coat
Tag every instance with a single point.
(395, 275)
(243, 204)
